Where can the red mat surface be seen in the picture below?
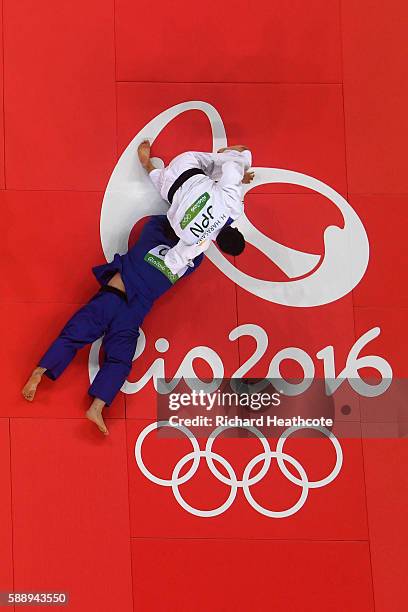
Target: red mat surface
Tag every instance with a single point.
(317, 88)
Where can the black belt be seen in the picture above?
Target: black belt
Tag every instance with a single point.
(184, 176)
(115, 290)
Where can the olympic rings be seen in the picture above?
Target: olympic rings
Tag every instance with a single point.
(156, 479)
(276, 513)
(246, 482)
(205, 513)
(317, 483)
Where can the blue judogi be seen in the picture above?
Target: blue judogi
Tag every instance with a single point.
(115, 316)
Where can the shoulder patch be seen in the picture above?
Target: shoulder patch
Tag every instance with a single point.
(155, 257)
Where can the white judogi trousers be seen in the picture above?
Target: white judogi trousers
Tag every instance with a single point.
(204, 203)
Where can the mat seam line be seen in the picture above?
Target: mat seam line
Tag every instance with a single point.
(292, 83)
(11, 507)
(129, 510)
(115, 80)
(4, 95)
(353, 296)
(249, 539)
(401, 194)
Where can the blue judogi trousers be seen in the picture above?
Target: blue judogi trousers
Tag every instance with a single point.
(108, 315)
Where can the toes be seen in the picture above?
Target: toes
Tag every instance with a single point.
(95, 418)
(28, 395)
(103, 429)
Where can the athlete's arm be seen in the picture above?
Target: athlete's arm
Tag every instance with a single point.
(212, 163)
(239, 148)
(182, 255)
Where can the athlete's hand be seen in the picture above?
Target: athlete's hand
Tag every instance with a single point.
(248, 177)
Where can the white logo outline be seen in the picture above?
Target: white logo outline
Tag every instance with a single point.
(130, 196)
(246, 482)
(315, 280)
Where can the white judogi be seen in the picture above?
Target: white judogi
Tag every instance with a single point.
(203, 204)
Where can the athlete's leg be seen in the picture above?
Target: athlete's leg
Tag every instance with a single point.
(119, 348)
(163, 178)
(87, 325)
(94, 414)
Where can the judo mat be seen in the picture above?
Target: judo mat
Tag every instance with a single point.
(317, 91)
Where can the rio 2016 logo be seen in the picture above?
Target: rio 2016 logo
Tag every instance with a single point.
(315, 280)
(130, 196)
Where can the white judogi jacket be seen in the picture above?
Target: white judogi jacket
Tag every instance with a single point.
(203, 204)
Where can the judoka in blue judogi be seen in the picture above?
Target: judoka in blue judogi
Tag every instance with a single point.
(130, 284)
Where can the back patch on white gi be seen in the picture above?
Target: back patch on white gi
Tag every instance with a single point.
(193, 210)
(200, 220)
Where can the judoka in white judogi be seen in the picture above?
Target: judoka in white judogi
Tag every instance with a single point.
(205, 202)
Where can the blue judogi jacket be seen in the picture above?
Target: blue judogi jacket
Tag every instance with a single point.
(144, 273)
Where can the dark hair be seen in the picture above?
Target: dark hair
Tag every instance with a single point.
(231, 241)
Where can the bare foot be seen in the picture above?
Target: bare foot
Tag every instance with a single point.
(31, 386)
(94, 414)
(143, 151)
